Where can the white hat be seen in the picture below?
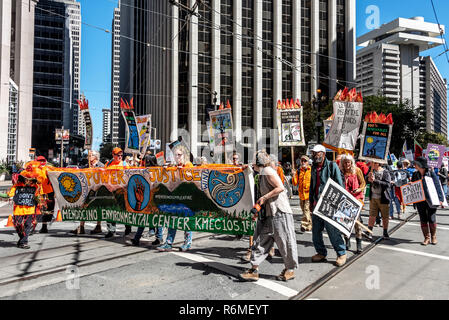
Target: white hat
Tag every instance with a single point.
(319, 148)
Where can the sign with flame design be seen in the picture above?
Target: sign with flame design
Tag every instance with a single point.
(212, 198)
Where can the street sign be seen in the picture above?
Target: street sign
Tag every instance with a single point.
(63, 134)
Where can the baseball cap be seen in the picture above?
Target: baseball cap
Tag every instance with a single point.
(116, 150)
(41, 158)
(319, 148)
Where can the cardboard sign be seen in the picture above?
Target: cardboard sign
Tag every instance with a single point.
(221, 122)
(89, 130)
(169, 154)
(433, 195)
(413, 192)
(24, 196)
(345, 126)
(132, 133)
(290, 127)
(434, 155)
(376, 142)
(160, 158)
(214, 198)
(144, 129)
(338, 207)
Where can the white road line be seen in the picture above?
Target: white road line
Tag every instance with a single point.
(2, 204)
(3, 223)
(285, 291)
(418, 225)
(414, 252)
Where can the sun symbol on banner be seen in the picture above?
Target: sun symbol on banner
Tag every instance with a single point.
(70, 187)
(370, 140)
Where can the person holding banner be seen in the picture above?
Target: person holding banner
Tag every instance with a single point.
(181, 155)
(276, 227)
(380, 197)
(116, 163)
(427, 211)
(323, 170)
(355, 184)
(94, 162)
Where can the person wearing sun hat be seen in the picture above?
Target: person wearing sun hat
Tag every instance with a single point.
(427, 212)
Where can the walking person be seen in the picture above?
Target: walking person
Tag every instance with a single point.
(181, 157)
(117, 162)
(276, 227)
(301, 178)
(426, 211)
(379, 197)
(322, 171)
(355, 184)
(26, 194)
(94, 162)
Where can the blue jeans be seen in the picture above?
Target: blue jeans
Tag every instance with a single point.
(334, 234)
(394, 200)
(172, 233)
(139, 232)
(445, 190)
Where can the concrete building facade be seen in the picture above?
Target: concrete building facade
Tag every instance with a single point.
(106, 133)
(16, 76)
(57, 72)
(390, 64)
(115, 77)
(250, 53)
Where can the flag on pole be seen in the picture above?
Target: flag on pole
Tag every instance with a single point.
(404, 149)
(418, 150)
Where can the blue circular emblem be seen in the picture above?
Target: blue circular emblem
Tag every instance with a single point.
(138, 192)
(70, 187)
(226, 190)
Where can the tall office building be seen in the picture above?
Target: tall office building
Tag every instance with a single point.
(106, 136)
(16, 76)
(57, 71)
(252, 53)
(390, 64)
(115, 77)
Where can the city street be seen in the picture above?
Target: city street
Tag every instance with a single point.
(60, 265)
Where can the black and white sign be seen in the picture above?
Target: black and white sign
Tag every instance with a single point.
(399, 177)
(413, 192)
(338, 207)
(24, 196)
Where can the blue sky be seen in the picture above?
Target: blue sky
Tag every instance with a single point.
(96, 44)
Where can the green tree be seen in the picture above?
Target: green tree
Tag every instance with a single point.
(425, 138)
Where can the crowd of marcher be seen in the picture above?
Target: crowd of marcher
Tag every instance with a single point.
(33, 199)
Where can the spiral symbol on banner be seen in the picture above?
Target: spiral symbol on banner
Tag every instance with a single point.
(226, 189)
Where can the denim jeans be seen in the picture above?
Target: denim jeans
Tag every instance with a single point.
(139, 232)
(445, 190)
(334, 234)
(172, 233)
(394, 200)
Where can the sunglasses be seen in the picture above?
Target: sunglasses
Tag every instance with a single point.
(119, 155)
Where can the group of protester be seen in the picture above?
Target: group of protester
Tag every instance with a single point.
(32, 195)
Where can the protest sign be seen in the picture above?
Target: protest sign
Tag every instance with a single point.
(434, 155)
(413, 192)
(144, 129)
(160, 158)
(221, 122)
(434, 200)
(347, 117)
(338, 207)
(214, 198)
(84, 109)
(169, 154)
(399, 177)
(376, 142)
(290, 126)
(132, 133)
(409, 155)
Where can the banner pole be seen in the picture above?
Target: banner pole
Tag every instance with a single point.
(293, 156)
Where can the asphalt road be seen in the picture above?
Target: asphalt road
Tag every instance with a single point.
(60, 265)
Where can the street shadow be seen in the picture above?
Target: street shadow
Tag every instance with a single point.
(7, 244)
(397, 241)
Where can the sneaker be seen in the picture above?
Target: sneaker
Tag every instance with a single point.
(24, 246)
(109, 234)
(151, 233)
(97, 230)
(247, 256)
(156, 242)
(250, 275)
(164, 247)
(303, 229)
(341, 260)
(386, 236)
(318, 258)
(135, 242)
(185, 247)
(286, 275)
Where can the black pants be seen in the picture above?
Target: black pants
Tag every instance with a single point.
(426, 213)
(24, 225)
